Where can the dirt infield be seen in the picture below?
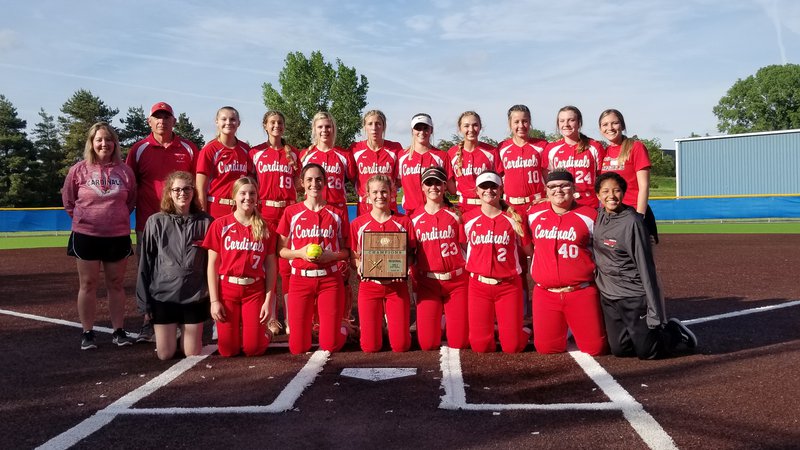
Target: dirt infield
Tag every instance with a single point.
(741, 388)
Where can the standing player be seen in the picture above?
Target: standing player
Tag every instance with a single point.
(151, 160)
(629, 158)
(441, 278)
(563, 267)
(222, 161)
(470, 158)
(416, 158)
(575, 153)
(373, 293)
(495, 234)
(521, 157)
(339, 167)
(99, 194)
(277, 167)
(313, 237)
(374, 156)
(241, 274)
(631, 298)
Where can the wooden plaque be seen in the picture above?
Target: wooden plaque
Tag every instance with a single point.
(383, 255)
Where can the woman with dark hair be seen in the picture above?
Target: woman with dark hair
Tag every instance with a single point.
(99, 195)
(631, 298)
(313, 237)
(442, 281)
(172, 287)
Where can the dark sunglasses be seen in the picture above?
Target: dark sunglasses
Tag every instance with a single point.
(488, 185)
(433, 182)
(421, 127)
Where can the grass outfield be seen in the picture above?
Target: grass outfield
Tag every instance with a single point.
(9, 241)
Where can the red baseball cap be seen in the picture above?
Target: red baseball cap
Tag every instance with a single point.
(161, 106)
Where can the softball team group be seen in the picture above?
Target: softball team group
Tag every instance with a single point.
(217, 227)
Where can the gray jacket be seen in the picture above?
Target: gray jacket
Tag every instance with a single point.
(625, 266)
(172, 263)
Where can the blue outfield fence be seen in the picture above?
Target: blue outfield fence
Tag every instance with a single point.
(761, 207)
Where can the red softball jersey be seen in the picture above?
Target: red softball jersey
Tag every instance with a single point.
(369, 163)
(483, 157)
(302, 226)
(523, 169)
(410, 167)
(439, 238)
(366, 223)
(339, 167)
(151, 162)
(562, 246)
(584, 166)
(638, 159)
(223, 166)
(493, 246)
(276, 172)
(239, 254)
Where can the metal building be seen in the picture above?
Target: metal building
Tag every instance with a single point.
(740, 164)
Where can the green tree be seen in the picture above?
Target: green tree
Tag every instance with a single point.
(135, 128)
(50, 156)
(186, 129)
(766, 101)
(309, 85)
(16, 159)
(81, 111)
(661, 164)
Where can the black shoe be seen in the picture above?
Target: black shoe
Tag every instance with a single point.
(687, 337)
(121, 338)
(87, 340)
(146, 334)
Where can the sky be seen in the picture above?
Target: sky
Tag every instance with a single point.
(664, 64)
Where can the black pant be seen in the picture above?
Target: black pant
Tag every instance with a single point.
(628, 332)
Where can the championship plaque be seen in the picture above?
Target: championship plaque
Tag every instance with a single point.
(383, 255)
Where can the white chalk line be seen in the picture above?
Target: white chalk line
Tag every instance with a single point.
(743, 312)
(95, 328)
(643, 423)
(124, 405)
(452, 382)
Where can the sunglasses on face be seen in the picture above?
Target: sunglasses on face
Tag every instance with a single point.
(432, 182)
(186, 190)
(488, 185)
(555, 187)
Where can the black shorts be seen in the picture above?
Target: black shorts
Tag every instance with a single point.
(650, 223)
(163, 313)
(94, 248)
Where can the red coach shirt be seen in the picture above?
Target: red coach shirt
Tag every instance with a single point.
(302, 226)
(638, 159)
(439, 238)
(151, 163)
(493, 245)
(239, 254)
(366, 223)
(584, 167)
(410, 167)
(339, 167)
(276, 172)
(522, 167)
(483, 157)
(562, 246)
(223, 166)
